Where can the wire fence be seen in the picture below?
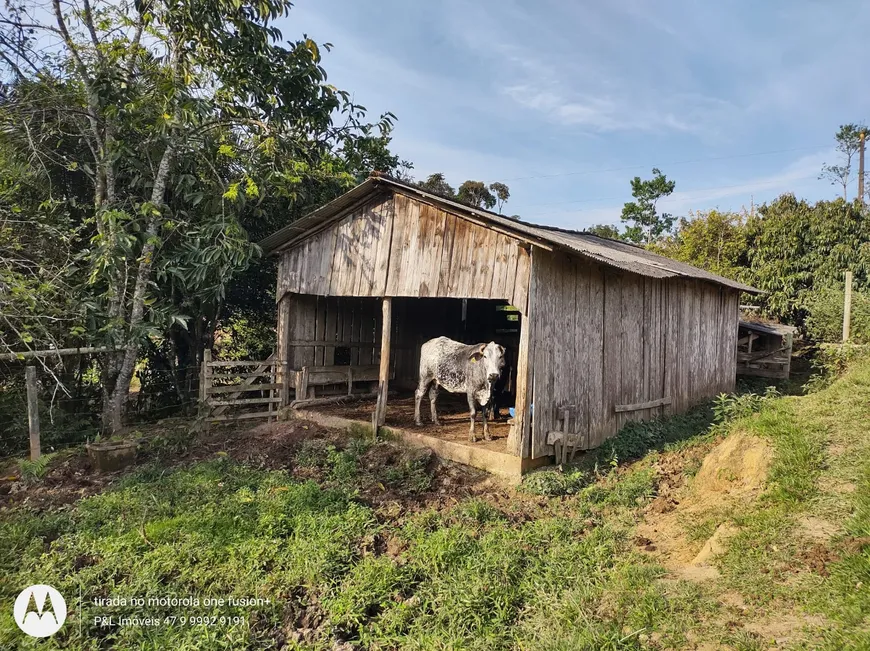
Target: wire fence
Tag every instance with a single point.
(70, 401)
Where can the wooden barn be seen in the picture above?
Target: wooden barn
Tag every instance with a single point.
(598, 332)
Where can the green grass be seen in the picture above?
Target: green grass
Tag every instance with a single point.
(470, 576)
(554, 567)
(821, 440)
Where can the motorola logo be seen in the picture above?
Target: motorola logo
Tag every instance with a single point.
(40, 610)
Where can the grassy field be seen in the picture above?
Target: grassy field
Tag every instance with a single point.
(353, 544)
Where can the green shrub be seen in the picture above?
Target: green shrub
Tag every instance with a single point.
(831, 361)
(552, 483)
(824, 322)
(728, 407)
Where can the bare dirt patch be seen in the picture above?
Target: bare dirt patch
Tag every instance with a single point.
(783, 627)
(738, 465)
(68, 479)
(382, 479)
(733, 471)
(817, 529)
(452, 414)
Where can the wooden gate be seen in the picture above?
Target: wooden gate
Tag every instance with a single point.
(240, 389)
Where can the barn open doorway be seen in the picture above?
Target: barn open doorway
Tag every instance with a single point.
(345, 333)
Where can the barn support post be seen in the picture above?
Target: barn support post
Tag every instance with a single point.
(380, 415)
(518, 442)
(32, 412)
(282, 360)
(517, 431)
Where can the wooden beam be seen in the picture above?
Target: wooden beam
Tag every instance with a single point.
(240, 375)
(350, 397)
(245, 362)
(245, 416)
(32, 412)
(205, 385)
(238, 388)
(518, 441)
(30, 354)
(244, 401)
(380, 414)
(660, 402)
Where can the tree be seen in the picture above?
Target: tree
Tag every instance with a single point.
(472, 193)
(848, 143)
(647, 224)
(181, 118)
(605, 230)
(476, 194)
(437, 184)
(502, 194)
(713, 240)
(796, 249)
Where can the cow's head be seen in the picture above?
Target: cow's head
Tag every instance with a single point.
(491, 355)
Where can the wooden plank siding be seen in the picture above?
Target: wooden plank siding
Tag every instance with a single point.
(397, 246)
(598, 337)
(606, 338)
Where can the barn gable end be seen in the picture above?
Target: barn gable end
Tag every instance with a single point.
(396, 245)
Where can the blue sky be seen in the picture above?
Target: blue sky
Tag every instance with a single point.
(566, 101)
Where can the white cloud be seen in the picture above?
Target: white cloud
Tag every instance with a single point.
(684, 113)
(727, 195)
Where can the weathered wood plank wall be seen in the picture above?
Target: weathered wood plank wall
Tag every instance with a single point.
(605, 338)
(400, 247)
(317, 326)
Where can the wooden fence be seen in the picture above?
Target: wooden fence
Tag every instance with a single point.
(240, 389)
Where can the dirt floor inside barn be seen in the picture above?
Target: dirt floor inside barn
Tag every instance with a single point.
(452, 415)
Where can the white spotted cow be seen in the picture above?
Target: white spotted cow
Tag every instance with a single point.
(472, 369)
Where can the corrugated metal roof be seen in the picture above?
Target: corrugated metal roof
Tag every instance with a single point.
(612, 253)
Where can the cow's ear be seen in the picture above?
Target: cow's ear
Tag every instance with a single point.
(477, 353)
(500, 349)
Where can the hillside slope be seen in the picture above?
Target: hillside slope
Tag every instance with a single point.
(749, 533)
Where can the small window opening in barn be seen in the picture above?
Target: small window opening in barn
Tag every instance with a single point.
(342, 356)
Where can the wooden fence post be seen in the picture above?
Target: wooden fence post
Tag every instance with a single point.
(32, 412)
(204, 386)
(847, 308)
(273, 393)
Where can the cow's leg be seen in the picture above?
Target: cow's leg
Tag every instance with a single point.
(418, 397)
(472, 408)
(433, 396)
(486, 435)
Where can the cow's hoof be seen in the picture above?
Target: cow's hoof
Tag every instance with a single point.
(437, 423)
(418, 423)
(487, 437)
(472, 439)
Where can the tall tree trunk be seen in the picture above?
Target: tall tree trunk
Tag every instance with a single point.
(113, 414)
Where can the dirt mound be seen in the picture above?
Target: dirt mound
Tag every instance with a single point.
(735, 470)
(738, 464)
